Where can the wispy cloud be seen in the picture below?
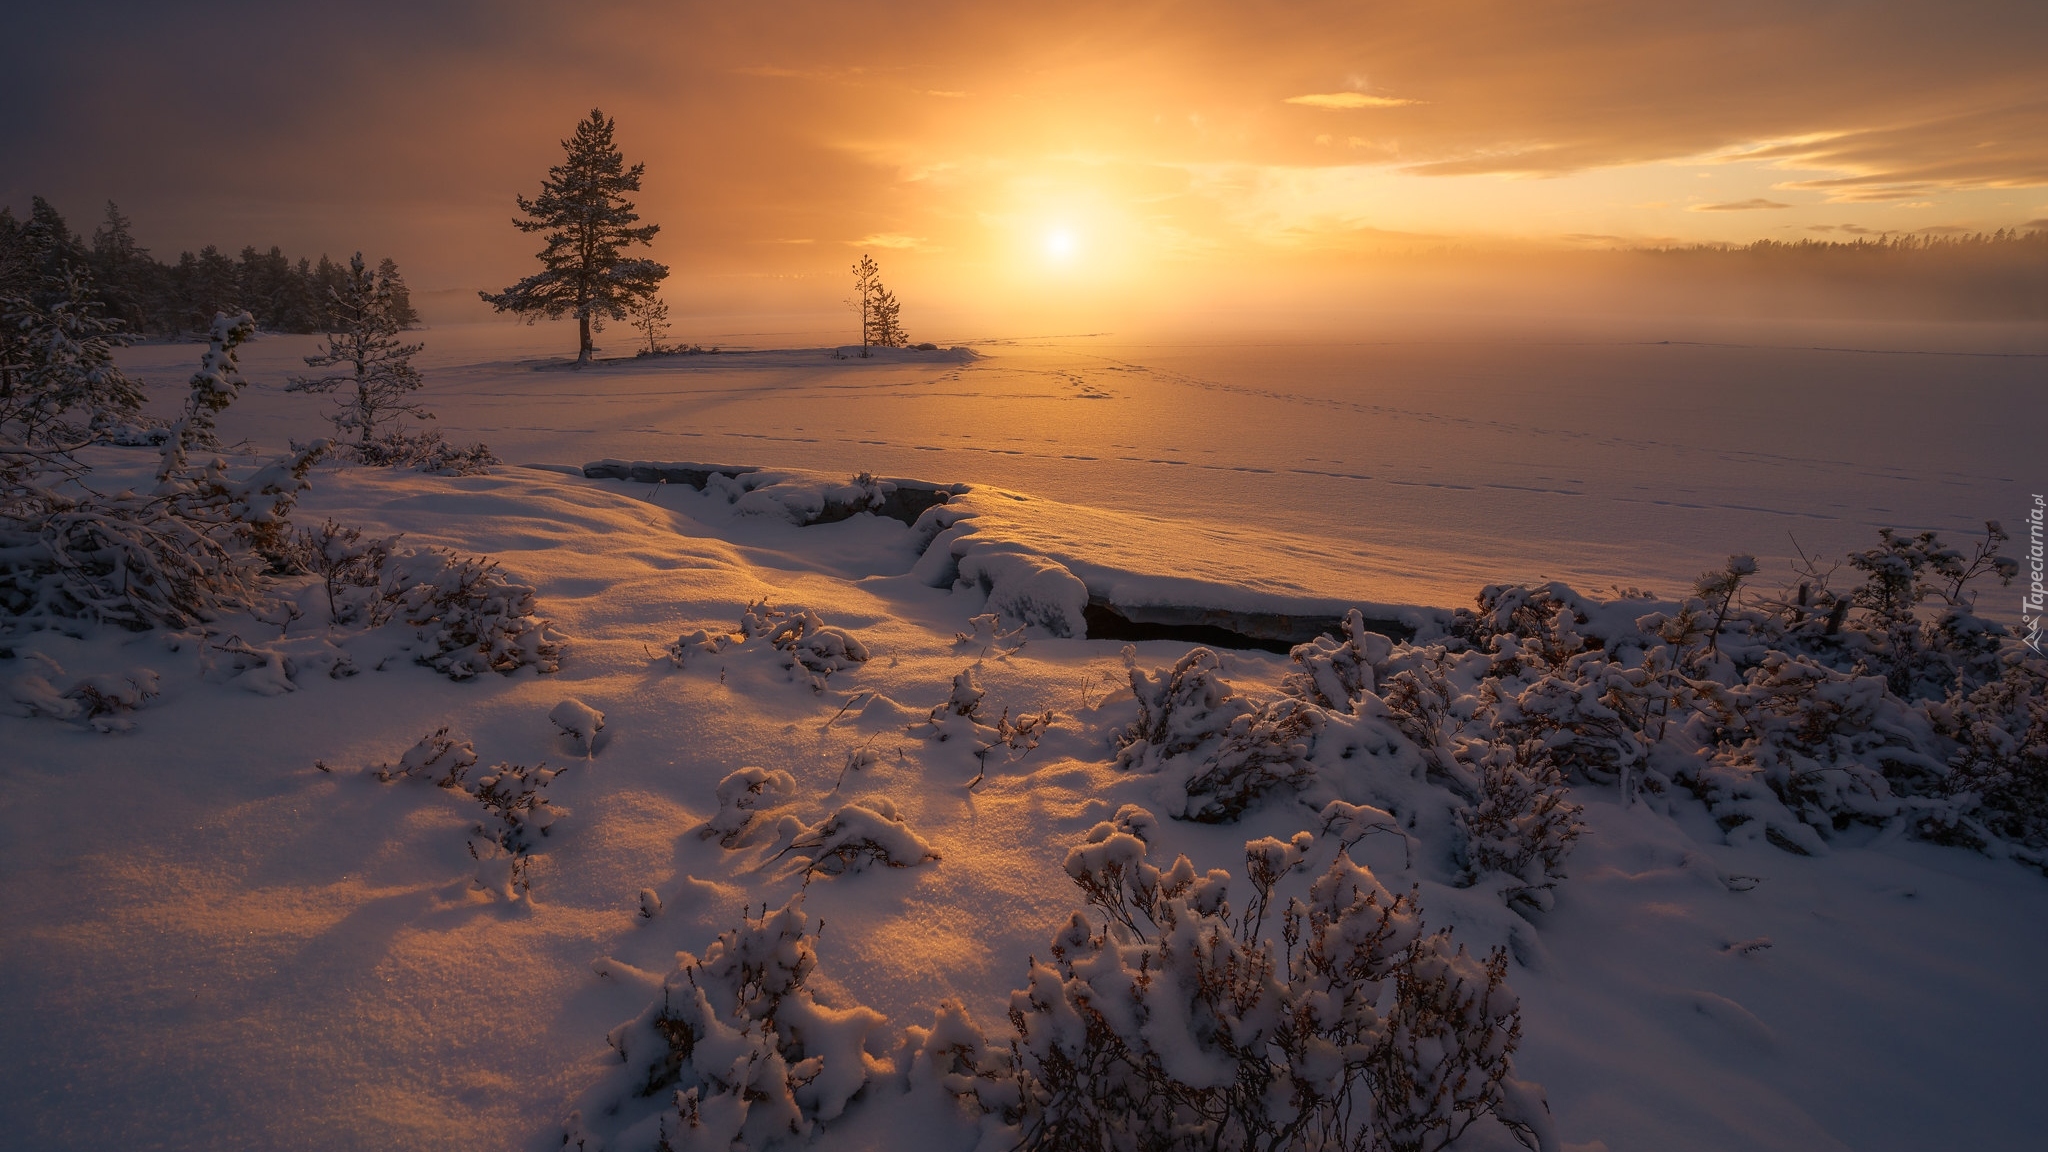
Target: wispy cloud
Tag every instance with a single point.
(889, 240)
(1337, 101)
(1753, 204)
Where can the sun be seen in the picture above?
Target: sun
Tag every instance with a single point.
(1061, 245)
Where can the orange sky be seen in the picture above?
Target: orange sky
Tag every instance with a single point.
(1033, 148)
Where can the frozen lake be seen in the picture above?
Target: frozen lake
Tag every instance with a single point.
(1411, 460)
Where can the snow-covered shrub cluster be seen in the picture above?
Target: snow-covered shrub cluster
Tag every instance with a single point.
(860, 835)
(1335, 674)
(428, 451)
(815, 646)
(1792, 718)
(199, 544)
(811, 649)
(516, 814)
(989, 634)
(350, 567)
(469, 618)
(517, 811)
(438, 758)
(960, 716)
(1172, 1021)
(1999, 775)
(743, 797)
(737, 1050)
(1217, 751)
(99, 700)
(853, 838)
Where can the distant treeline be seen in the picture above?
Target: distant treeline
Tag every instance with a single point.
(1996, 275)
(151, 297)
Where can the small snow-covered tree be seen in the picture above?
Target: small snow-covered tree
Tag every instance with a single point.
(650, 317)
(377, 379)
(58, 380)
(879, 325)
(583, 210)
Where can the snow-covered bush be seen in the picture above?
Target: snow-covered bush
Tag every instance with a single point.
(1999, 774)
(350, 567)
(1541, 621)
(1173, 1023)
(516, 814)
(1218, 750)
(742, 796)
(743, 1050)
(1261, 752)
(760, 618)
(470, 617)
(860, 835)
(100, 700)
(1921, 659)
(428, 451)
(816, 647)
(1523, 826)
(1576, 712)
(960, 716)
(988, 634)
(1819, 739)
(696, 643)
(1336, 674)
(1179, 709)
(437, 757)
(812, 650)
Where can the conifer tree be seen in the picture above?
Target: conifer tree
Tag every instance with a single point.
(123, 269)
(56, 343)
(379, 379)
(402, 310)
(583, 210)
(650, 316)
(879, 327)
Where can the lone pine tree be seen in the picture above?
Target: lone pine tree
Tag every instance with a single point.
(588, 221)
(378, 379)
(878, 308)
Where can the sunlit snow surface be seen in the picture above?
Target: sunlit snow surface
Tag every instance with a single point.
(211, 944)
(1411, 461)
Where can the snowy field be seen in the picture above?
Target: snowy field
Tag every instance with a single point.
(225, 931)
(1407, 461)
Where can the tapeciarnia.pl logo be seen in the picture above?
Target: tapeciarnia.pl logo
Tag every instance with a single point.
(2035, 600)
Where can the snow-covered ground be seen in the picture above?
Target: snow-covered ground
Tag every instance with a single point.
(223, 930)
(1410, 460)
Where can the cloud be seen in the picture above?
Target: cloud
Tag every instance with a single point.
(754, 127)
(888, 240)
(2040, 225)
(1753, 204)
(1336, 101)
